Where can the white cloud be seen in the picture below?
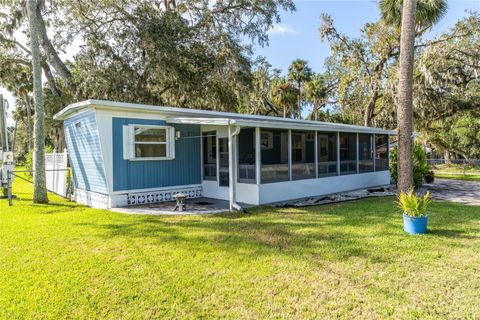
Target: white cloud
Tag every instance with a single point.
(281, 29)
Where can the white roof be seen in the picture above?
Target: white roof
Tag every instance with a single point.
(196, 116)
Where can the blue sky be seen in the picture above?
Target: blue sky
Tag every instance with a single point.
(297, 36)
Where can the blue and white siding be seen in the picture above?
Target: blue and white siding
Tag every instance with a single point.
(85, 152)
(132, 182)
(180, 171)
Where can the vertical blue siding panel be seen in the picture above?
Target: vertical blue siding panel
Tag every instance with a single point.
(183, 170)
(83, 143)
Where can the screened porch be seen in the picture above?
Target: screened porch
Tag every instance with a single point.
(288, 155)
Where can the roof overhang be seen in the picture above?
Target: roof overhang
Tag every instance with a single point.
(273, 124)
(204, 121)
(206, 117)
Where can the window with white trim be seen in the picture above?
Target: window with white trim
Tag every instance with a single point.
(142, 142)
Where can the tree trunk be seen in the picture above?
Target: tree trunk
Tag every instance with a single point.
(50, 79)
(29, 121)
(316, 109)
(170, 5)
(405, 97)
(40, 186)
(50, 52)
(447, 157)
(368, 116)
(299, 100)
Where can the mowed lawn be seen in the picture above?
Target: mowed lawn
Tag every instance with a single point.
(349, 260)
(457, 172)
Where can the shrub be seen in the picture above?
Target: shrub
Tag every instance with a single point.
(413, 205)
(29, 158)
(420, 165)
(430, 177)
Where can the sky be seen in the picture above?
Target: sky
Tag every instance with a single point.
(296, 36)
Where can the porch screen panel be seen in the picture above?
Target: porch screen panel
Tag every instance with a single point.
(348, 153)
(381, 152)
(274, 155)
(303, 155)
(209, 155)
(327, 154)
(365, 150)
(246, 156)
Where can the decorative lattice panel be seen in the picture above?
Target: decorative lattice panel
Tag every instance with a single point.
(162, 195)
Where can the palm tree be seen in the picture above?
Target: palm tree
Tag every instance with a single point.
(40, 186)
(316, 93)
(299, 72)
(423, 14)
(282, 93)
(17, 78)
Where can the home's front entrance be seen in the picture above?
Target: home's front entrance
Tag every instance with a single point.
(216, 175)
(223, 164)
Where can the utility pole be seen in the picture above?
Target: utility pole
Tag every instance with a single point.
(3, 126)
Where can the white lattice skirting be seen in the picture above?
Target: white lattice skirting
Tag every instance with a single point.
(103, 201)
(162, 195)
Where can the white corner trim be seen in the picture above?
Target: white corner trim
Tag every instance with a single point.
(91, 199)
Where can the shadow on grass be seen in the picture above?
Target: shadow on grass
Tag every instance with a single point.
(365, 228)
(452, 233)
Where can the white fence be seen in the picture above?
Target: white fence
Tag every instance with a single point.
(56, 172)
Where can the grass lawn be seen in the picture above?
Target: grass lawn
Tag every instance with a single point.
(457, 172)
(457, 176)
(349, 260)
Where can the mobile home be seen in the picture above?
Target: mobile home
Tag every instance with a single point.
(125, 154)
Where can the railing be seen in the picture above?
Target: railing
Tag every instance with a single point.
(348, 167)
(246, 172)
(303, 170)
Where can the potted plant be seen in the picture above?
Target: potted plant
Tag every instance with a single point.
(414, 209)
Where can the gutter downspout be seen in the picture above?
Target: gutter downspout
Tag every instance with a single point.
(232, 133)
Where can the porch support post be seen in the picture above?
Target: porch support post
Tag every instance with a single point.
(258, 157)
(290, 175)
(358, 155)
(388, 152)
(338, 153)
(315, 148)
(232, 165)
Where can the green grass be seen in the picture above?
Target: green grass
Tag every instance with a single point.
(457, 176)
(349, 260)
(457, 172)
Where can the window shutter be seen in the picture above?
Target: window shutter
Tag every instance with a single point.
(171, 143)
(128, 145)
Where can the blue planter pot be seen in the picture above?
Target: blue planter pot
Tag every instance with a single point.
(415, 225)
